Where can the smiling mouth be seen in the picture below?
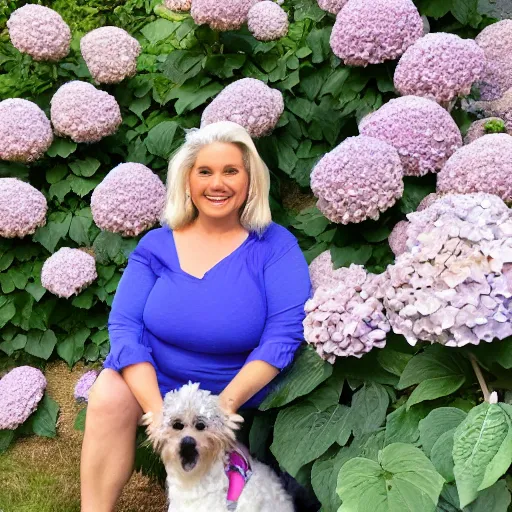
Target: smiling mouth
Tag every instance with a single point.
(219, 201)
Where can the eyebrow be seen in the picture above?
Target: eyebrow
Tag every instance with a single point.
(226, 166)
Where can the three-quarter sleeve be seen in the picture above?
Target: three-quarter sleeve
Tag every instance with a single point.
(287, 288)
(125, 323)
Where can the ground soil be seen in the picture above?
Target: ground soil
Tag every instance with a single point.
(60, 457)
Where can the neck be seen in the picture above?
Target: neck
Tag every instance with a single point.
(216, 227)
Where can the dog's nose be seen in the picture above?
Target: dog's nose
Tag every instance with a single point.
(189, 442)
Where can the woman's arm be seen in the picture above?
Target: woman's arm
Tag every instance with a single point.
(141, 379)
(253, 377)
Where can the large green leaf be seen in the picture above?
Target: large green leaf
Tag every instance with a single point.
(44, 420)
(402, 424)
(162, 140)
(403, 480)
(438, 422)
(54, 230)
(441, 455)
(369, 406)
(41, 344)
(482, 449)
(493, 499)
(6, 438)
(71, 349)
(86, 167)
(305, 374)
(303, 432)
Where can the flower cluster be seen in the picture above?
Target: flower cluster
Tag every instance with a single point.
(332, 6)
(373, 32)
(267, 21)
(129, 200)
(25, 131)
(178, 5)
(357, 180)
(110, 54)
(40, 32)
(84, 113)
(484, 127)
(225, 15)
(454, 284)
(68, 271)
(439, 66)
(322, 273)
(248, 102)
(349, 319)
(423, 132)
(398, 237)
(84, 385)
(22, 208)
(485, 165)
(21, 391)
(496, 42)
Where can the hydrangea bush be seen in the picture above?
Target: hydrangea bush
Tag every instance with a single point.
(359, 402)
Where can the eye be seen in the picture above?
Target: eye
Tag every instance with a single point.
(204, 172)
(178, 425)
(232, 170)
(200, 425)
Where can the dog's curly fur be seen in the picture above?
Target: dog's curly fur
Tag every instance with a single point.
(194, 437)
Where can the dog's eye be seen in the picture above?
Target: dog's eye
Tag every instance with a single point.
(177, 425)
(200, 425)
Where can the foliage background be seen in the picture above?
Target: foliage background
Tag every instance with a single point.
(320, 416)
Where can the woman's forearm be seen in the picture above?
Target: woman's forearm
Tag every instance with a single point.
(253, 377)
(142, 381)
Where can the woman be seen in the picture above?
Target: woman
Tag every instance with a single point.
(215, 296)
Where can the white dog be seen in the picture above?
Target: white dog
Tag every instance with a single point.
(194, 438)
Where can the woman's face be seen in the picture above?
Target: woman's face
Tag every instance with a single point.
(219, 181)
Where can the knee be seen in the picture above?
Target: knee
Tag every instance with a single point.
(110, 397)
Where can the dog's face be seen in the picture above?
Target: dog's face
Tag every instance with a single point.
(194, 431)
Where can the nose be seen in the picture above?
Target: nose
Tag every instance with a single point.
(217, 181)
(188, 442)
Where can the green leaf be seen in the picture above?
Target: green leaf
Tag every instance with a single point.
(82, 186)
(36, 290)
(369, 406)
(162, 139)
(438, 422)
(62, 148)
(493, 499)
(189, 97)
(60, 190)
(72, 348)
(54, 230)
(224, 65)
(393, 361)
(441, 455)
(181, 65)
(302, 433)
(403, 480)
(311, 221)
(415, 190)
(107, 246)
(434, 8)
(318, 41)
(41, 344)
(159, 30)
(402, 424)
(482, 449)
(85, 168)
(497, 352)
(44, 420)
(84, 300)
(57, 173)
(80, 420)
(466, 12)
(78, 229)
(140, 105)
(7, 311)
(305, 374)
(345, 256)
(6, 438)
(437, 370)
(17, 343)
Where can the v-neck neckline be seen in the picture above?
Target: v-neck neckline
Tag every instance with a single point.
(178, 263)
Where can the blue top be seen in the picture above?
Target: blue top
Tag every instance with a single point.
(249, 306)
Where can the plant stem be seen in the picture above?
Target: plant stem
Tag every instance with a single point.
(480, 377)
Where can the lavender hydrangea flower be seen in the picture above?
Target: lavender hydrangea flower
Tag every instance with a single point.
(22, 208)
(84, 113)
(428, 200)
(485, 165)
(84, 385)
(225, 15)
(248, 102)
(357, 180)
(110, 54)
(323, 274)
(129, 200)
(347, 320)
(332, 6)
(496, 42)
(20, 392)
(40, 32)
(440, 67)
(267, 21)
(373, 32)
(398, 237)
(68, 272)
(25, 131)
(484, 127)
(453, 284)
(178, 5)
(423, 132)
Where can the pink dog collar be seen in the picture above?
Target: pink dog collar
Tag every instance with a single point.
(238, 471)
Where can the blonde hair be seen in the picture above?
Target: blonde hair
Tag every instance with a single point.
(179, 210)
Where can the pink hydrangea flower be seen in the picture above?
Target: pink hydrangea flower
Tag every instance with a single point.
(22, 208)
(40, 32)
(178, 5)
(68, 272)
(323, 274)
(332, 6)
(225, 15)
(21, 391)
(129, 200)
(267, 21)
(25, 131)
(84, 384)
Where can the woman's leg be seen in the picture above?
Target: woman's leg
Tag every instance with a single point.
(108, 448)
